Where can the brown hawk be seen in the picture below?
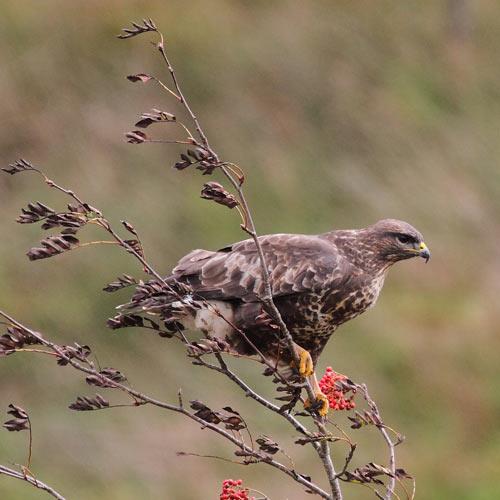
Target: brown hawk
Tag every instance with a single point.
(318, 282)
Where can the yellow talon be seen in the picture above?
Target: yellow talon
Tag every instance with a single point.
(321, 404)
(306, 365)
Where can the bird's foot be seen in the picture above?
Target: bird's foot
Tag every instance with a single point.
(306, 365)
(319, 405)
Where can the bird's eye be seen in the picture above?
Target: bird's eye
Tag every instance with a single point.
(403, 239)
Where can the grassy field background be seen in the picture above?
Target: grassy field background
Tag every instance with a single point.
(341, 113)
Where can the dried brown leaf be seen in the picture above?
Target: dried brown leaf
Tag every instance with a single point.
(139, 77)
(216, 192)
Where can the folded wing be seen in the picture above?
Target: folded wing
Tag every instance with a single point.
(296, 264)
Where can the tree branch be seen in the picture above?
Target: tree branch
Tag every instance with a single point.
(31, 480)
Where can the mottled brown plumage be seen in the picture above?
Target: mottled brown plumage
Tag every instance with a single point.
(318, 283)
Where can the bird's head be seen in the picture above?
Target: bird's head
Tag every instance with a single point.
(393, 240)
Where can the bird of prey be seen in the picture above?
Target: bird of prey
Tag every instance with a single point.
(318, 282)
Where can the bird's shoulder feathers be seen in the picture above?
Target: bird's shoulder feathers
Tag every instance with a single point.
(296, 263)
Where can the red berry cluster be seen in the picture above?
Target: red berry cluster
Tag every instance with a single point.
(232, 490)
(336, 396)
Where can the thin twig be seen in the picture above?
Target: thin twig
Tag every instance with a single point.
(203, 137)
(31, 480)
(392, 452)
(30, 442)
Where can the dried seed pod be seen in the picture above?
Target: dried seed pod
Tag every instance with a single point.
(124, 321)
(137, 29)
(53, 245)
(106, 374)
(80, 352)
(139, 77)
(216, 192)
(121, 282)
(267, 445)
(155, 116)
(34, 212)
(204, 412)
(20, 422)
(20, 165)
(136, 137)
(15, 338)
(84, 403)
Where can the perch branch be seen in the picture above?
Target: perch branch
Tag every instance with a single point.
(31, 480)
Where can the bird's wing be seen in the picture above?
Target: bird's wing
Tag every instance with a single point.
(296, 263)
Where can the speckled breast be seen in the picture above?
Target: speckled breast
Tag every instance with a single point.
(322, 314)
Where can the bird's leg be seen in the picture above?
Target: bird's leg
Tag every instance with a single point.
(306, 365)
(306, 370)
(321, 403)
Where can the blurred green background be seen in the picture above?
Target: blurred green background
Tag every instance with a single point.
(341, 113)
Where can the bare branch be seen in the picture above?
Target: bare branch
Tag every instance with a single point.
(31, 480)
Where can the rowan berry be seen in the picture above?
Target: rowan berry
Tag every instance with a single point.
(336, 393)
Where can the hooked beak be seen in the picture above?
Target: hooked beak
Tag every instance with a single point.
(423, 252)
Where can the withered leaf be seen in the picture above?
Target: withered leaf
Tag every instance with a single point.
(366, 418)
(216, 192)
(204, 412)
(113, 374)
(84, 403)
(80, 352)
(139, 77)
(267, 445)
(154, 117)
(205, 161)
(207, 167)
(303, 441)
(233, 421)
(369, 473)
(198, 154)
(230, 410)
(129, 227)
(17, 411)
(16, 424)
(137, 29)
(34, 212)
(15, 338)
(121, 282)
(20, 165)
(101, 380)
(20, 422)
(402, 474)
(53, 245)
(135, 245)
(136, 137)
(243, 453)
(186, 162)
(124, 321)
(181, 165)
(84, 208)
(67, 220)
